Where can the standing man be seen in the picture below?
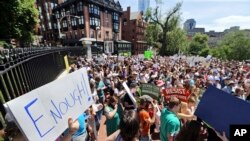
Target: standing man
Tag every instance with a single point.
(170, 123)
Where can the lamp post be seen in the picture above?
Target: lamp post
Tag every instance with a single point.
(96, 31)
(59, 20)
(117, 45)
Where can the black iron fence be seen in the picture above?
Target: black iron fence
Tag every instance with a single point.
(22, 70)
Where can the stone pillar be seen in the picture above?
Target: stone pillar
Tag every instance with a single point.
(88, 45)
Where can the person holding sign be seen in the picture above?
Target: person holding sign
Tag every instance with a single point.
(13, 133)
(81, 133)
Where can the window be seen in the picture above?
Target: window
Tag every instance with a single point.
(115, 16)
(95, 21)
(93, 9)
(40, 9)
(46, 6)
(124, 21)
(50, 27)
(107, 35)
(48, 16)
(43, 28)
(52, 5)
(116, 26)
(55, 26)
(73, 21)
(75, 34)
(81, 20)
(83, 32)
(79, 7)
(57, 14)
(72, 9)
(65, 24)
(63, 12)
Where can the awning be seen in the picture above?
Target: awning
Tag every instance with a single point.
(144, 42)
(90, 39)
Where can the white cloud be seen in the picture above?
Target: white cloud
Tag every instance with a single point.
(233, 20)
(223, 23)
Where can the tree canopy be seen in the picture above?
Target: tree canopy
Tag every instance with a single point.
(18, 20)
(234, 46)
(199, 44)
(167, 26)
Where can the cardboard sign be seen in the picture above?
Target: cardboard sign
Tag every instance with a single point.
(43, 113)
(129, 93)
(151, 90)
(148, 54)
(180, 93)
(220, 110)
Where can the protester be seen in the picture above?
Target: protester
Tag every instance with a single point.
(145, 120)
(112, 116)
(128, 129)
(170, 123)
(13, 133)
(192, 131)
(176, 120)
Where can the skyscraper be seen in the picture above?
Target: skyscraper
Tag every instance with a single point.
(189, 24)
(143, 5)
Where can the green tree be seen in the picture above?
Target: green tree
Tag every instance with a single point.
(169, 24)
(204, 52)
(198, 43)
(235, 46)
(177, 41)
(152, 33)
(18, 19)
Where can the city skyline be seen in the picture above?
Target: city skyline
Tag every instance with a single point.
(143, 5)
(215, 15)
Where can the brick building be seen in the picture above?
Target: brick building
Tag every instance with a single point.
(133, 28)
(93, 19)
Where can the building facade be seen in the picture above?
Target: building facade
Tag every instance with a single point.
(133, 28)
(143, 5)
(98, 20)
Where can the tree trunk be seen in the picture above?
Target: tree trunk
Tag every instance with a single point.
(163, 50)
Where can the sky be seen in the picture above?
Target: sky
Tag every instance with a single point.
(215, 15)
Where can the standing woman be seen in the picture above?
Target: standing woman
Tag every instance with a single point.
(113, 118)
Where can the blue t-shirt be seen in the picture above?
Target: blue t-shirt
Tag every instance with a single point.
(82, 128)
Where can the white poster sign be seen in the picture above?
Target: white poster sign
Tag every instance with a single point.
(129, 93)
(43, 113)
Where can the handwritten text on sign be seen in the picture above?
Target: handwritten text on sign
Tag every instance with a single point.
(177, 92)
(151, 90)
(43, 113)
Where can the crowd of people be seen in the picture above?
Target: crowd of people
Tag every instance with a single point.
(154, 119)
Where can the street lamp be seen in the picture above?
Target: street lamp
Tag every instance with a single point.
(96, 31)
(117, 45)
(59, 20)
